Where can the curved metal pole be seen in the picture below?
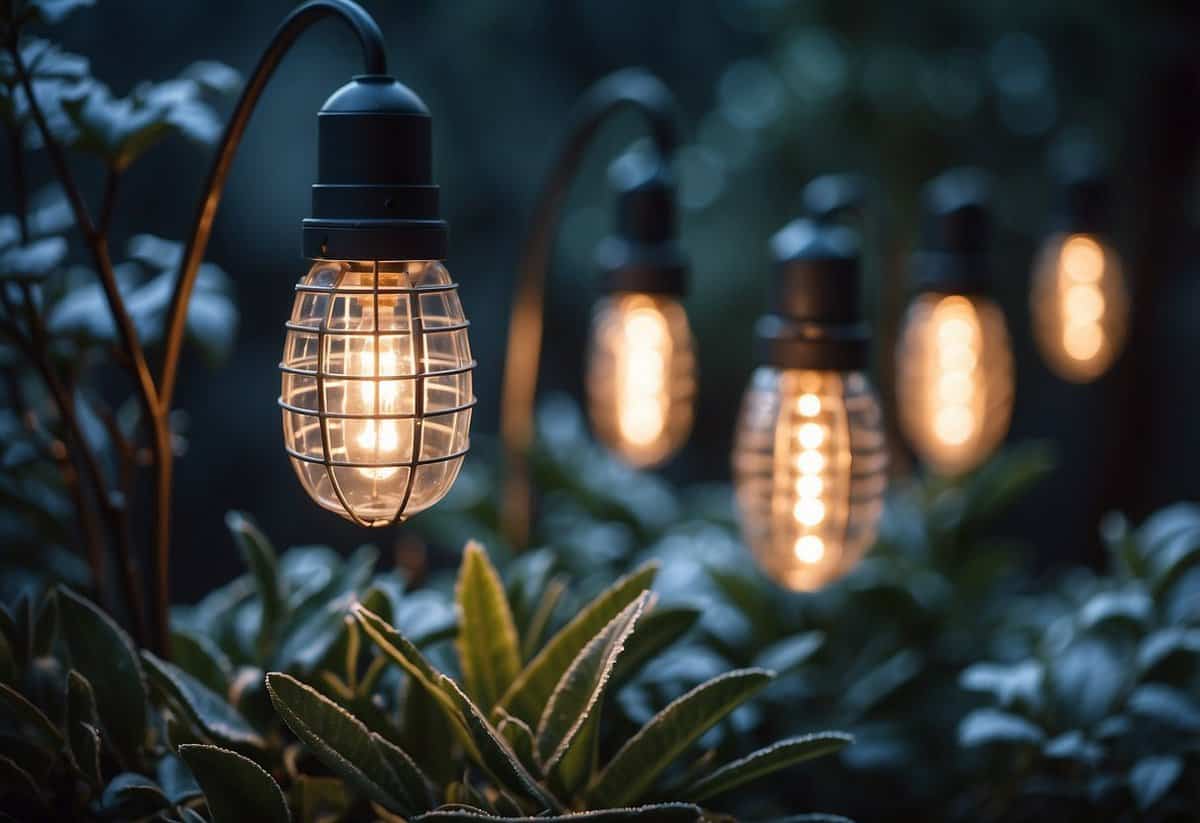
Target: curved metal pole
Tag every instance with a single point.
(371, 40)
(633, 89)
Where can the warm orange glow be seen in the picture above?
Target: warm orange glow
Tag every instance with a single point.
(809, 469)
(954, 380)
(1079, 306)
(365, 446)
(641, 377)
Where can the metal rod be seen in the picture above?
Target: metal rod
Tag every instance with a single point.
(633, 89)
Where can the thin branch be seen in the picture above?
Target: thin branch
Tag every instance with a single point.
(109, 204)
(147, 393)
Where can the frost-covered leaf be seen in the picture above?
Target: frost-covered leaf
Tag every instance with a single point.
(236, 789)
(1017, 684)
(101, 651)
(984, 727)
(639, 762)
(766, 761)
(488, 648)
(657, 813)
(208, 710)
(34, 261)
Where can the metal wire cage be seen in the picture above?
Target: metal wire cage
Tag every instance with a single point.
(810, 472)
(376, 387)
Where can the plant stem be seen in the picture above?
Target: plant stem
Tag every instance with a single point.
(147, 394)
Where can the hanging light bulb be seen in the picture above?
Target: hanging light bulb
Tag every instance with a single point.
(376, 372)
(641, 365)
(1078, 298)
(809, 459)
(954, 374)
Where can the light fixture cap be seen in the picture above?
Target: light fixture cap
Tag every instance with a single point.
(374, 198)
(643, 253)
(955, 242)
(815, 318)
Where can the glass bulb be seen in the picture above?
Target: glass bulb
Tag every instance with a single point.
(376, 392)
(810, 471)
(1080, 306)
(954, 380)
(641, 376)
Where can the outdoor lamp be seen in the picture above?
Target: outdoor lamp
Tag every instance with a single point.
(641, 366)
(1078, 297)
(954, 372)
(376, 390)
(640, 362)
(809, 458)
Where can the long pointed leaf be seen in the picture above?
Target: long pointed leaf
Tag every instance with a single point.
(668, 734)
(658, 629)
(765, 761)
(494, 754)
(578, 693)
(104, 654)
(82, 721)
(657, 813)
(528, 694)
(18, 707)
(208, 710)
(260, 557)
(416, 784)
(236, 788)
(339, 740)
(487, 637)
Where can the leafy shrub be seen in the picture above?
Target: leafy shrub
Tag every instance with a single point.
(315, 688)
(1096, 712)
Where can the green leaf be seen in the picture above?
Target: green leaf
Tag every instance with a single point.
(236, 788)
(28, 716)
(1152, 777)
(339, 740)
(491, 751)
(1172, 707)
(259, 556)
(402, 652)
(577, 696)
(791, 652)
(658, 629)
(766, 761)
(539, 621)
(488, 649)
(208, 710)
(176, 779)
(100, 651)
(130, 795)
(657, 813)
(82, 722)
(634, 768)
(519, 737)
(200, 657)
(416, 784)
(989, 726)
(527, 695)
(1011, 685)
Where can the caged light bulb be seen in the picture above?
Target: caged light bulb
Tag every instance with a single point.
(641, 376)
(810, 472)
(954, 380)
(1079, 306)
(376, 388)
(810, 457)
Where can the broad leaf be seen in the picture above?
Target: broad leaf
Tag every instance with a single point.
(100, 651)
(990, 726)
(339, 740)
(200, 657)
(491, 751)
(576, 698)
(208, 710)
(766, 761)
(1017, 684)
(130, 795)
(529, 692)
(1152, 777)
(259, 556)
(488, 648)
(638, 763)
(236, 788)
(176, 779)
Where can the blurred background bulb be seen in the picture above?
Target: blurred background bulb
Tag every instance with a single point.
(954, 379)
(641, 376)
(376, 388)
(1079, 306)
(809, 466)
